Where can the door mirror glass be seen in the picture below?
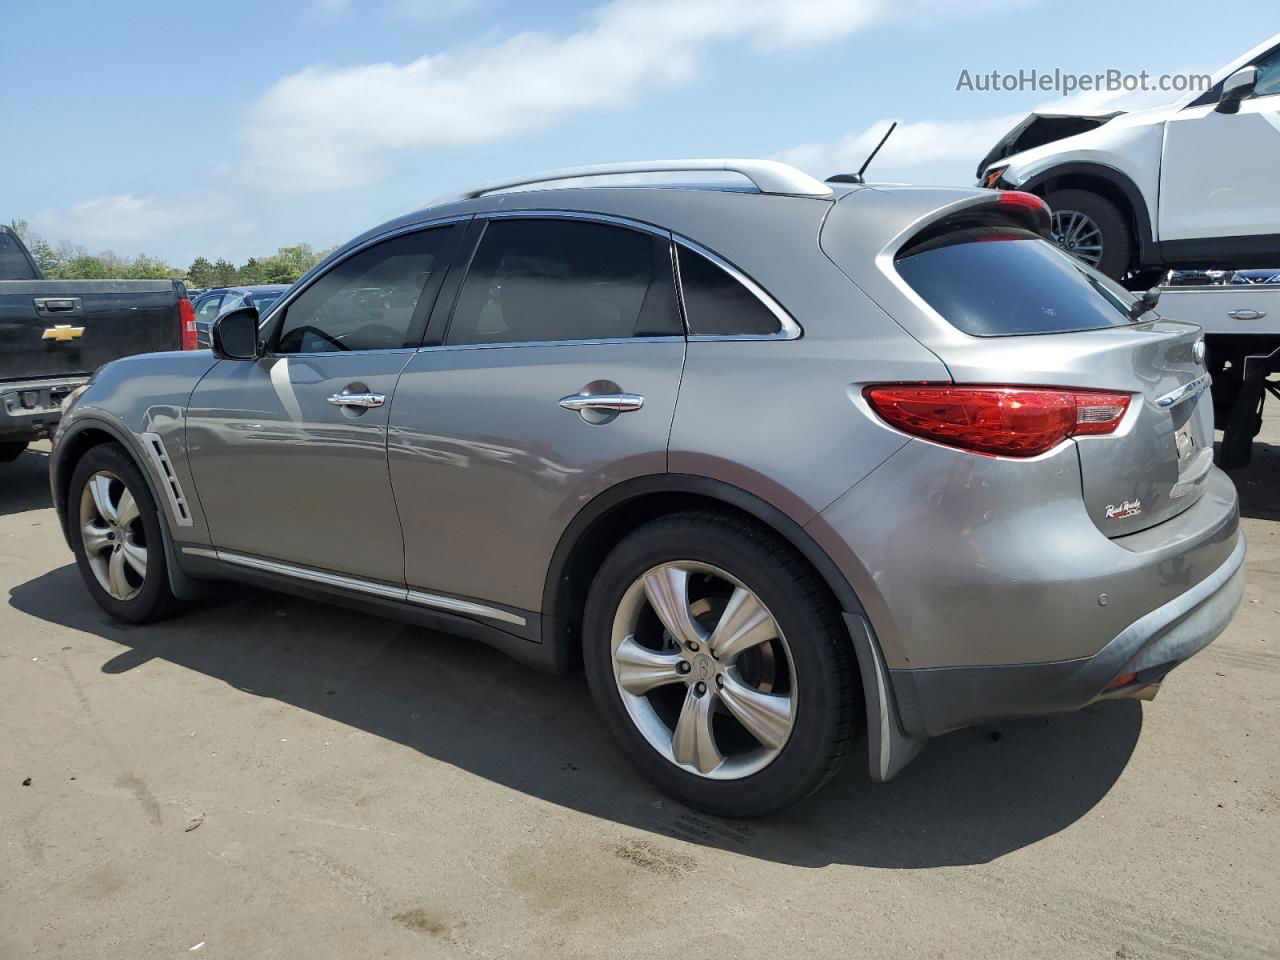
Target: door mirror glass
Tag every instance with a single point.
(1237, 87)
(234, 335)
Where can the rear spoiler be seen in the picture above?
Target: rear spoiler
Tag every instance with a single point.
(997, 207)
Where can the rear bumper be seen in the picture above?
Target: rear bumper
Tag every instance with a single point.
(30, 411)
(936, 700)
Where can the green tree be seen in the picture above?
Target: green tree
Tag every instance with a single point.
(200, 273)
(20, 227)
(224, 273)
(253, 272)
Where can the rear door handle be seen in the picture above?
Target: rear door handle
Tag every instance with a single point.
(1247, 314)
(604, 402)
(358, 399)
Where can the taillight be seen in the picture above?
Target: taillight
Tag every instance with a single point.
(1023, 200)
(1000, 421)
(187, 324)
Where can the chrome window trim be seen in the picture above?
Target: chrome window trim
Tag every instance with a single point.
(300, 287)
(586, 215)
(441, 347)
(387, 591)
(790, 330)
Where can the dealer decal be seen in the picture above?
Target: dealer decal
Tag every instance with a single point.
(1130, 508)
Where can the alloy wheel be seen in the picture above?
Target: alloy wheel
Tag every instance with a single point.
(703, 670)
(114, 540)
(1077, 234)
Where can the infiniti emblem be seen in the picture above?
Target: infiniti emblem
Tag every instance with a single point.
(1197, 351)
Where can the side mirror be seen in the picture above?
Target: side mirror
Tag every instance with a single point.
(1235, 88)
(234, 335)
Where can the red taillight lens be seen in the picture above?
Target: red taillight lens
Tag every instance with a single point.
(1026, 201)
(1000, 421)
(187, 324)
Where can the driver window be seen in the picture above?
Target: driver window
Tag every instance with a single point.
(368, 301)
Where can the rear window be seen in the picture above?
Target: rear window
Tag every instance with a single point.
(13, 262)
(1003, 282)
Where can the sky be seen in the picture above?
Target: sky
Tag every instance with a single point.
(229, 129)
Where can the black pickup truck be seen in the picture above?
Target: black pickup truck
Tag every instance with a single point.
(55, 333)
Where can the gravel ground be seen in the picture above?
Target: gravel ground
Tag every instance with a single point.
(267, 777)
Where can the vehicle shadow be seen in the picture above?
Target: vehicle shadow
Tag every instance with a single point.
(1259, 483)
(968, 798)
(24, 483)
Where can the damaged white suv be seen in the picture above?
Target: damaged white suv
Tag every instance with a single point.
(1190, 184)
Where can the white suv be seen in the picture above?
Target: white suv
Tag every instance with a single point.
(1191, 184)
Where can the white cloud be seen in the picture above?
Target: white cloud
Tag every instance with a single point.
(926, 151)
(119, 220)
(329, 127)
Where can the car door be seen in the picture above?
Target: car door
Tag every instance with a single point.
(555, 379)
(1218, 169)
(289, 451)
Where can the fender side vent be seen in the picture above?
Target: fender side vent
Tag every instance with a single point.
(160, 457)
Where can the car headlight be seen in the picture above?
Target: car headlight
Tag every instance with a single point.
(993, 175)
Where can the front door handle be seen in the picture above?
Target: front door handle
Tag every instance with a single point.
(1247, 314)
(603, 402)
(358, 399)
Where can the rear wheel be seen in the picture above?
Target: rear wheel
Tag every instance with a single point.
(1091, 228)
(720, 663)
(116, 537)
(11, 451)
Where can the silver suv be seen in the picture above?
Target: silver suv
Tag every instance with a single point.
(776, 463)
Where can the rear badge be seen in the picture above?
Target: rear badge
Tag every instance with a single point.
(1130, 508)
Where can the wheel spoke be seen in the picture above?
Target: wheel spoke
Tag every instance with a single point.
(120, 585)
(136, 557)
(668, 591)
(692, 743)
(126, 509)
(744, 623)
(100, 489)
(94, 536)
(767, 716)
(640, 669)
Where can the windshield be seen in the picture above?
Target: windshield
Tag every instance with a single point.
(1002, 281)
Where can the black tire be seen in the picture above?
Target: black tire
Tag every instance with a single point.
(828, 712)
(11, 451)
(154, 599)
(1117, 243)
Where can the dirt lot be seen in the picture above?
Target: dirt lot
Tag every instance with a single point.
(265, 777)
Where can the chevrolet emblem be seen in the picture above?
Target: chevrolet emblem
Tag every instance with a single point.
(63, 332)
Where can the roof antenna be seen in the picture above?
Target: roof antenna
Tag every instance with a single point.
(857, 177)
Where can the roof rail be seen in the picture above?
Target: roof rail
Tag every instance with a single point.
(769, 176)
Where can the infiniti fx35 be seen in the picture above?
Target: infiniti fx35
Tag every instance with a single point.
(777, 462)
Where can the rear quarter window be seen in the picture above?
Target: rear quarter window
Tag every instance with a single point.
(1003, 282)
(13, 263)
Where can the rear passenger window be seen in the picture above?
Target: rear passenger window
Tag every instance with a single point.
(716, 304)
(539, 280)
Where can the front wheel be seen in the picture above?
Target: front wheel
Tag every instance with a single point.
(1091, 228)
(116, 537)
(720, 663)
